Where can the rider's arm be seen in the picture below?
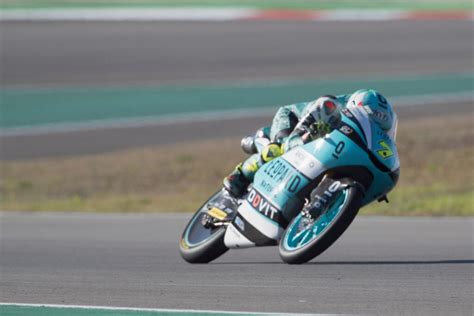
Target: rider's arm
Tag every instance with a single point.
(283, 124)
(305, 131)
(310, 127)
(285, 121)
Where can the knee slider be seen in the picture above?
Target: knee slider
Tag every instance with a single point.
(271, 152)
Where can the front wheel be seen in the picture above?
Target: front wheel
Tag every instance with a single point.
(200, 243)
(307, 237)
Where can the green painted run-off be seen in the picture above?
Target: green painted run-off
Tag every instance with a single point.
(33, 108)
(15, 310)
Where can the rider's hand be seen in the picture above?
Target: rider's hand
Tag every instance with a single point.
(314, 129)
(320, 128)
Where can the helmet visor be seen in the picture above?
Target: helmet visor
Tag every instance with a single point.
(392, 132)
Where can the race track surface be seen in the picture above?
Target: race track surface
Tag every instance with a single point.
(379, 266)
(95, 53)
(113, 139)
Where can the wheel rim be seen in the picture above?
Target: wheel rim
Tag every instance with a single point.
(196, 234)
(301, 231)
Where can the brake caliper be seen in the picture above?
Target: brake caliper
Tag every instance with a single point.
(214, 217)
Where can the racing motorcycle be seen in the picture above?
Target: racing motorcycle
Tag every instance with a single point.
(302, 201)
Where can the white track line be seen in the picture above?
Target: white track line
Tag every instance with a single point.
(209, 116)
(137, 121)
(137, 309)
(128, 14)
(221, 14)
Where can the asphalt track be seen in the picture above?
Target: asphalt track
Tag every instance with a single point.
(53, 54)
(113, 139)
(155, 53)
(380, 266)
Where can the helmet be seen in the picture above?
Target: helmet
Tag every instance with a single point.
(326, 109)
(375, 105)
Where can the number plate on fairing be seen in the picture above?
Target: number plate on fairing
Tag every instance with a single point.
(260, 220)
(304, 162)
(283, 177)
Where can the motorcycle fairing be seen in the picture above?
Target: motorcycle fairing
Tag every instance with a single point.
(252, 228)
(273, 192)
(276, 185)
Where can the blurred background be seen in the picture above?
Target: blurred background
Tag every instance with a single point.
(139, 106)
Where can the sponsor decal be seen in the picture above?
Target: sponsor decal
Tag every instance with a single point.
(320, 201)
(380, 115)
(347, 113)
(261, 204)
(293, 184)
(305, 164)
(240, 223)
(386, 152)
(299, 157)
(277, 170)
(346, 129)
(267, 187)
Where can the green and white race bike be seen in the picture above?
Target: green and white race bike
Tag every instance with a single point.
(336, 175)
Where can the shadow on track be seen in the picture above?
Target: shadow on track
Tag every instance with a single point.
(425, 262)
(392, 262)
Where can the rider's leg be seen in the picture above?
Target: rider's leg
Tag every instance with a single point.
(283, 123)
(237, 182)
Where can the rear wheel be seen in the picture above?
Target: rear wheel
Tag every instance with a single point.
(203, 243)
(307, 237)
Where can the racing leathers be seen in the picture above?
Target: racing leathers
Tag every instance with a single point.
(293, 125)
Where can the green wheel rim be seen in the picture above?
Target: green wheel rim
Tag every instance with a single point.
(300, 234)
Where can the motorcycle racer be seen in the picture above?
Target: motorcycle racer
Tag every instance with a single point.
(297, 124)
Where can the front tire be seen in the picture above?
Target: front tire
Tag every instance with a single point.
(199, 244)
(296, 251)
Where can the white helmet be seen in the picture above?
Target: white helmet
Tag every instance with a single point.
(327, 109)
(375, 105)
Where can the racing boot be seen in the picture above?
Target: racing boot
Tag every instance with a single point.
(236, 183)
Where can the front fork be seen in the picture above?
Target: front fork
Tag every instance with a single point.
(324, 194)
(220, 213)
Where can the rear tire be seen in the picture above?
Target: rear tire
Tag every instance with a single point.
(331, 233)
(211, 245)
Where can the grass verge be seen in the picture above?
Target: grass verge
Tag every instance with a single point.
(436, 175)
